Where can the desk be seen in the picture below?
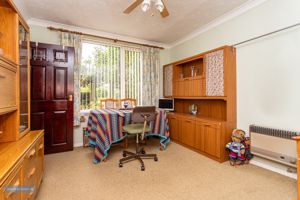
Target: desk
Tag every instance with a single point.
(105, 128)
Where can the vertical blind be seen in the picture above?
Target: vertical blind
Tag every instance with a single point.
(133, 74)
(102, 77)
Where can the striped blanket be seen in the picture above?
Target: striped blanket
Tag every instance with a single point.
(104, 128)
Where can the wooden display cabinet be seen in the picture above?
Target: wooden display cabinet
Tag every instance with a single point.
(14, 74)
(213, 94)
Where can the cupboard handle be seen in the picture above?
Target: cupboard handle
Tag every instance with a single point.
(17, 183)
(1, 132)
(188, 121)
(30, 195)
(32, 152)
(32, 172)
(2, 76)
(41, 147)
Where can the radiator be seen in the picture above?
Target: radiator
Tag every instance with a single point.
(274, 144)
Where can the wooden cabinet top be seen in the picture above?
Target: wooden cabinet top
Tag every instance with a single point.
(12, 152)
(196, 117)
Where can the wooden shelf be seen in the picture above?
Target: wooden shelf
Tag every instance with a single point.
(208, 98)
(7, 110)
(8, 62)
(196, 117)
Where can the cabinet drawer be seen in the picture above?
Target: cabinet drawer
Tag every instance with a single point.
(29, 166)
(30, 172)
(7, 90)
(9, 189)
(39, 160)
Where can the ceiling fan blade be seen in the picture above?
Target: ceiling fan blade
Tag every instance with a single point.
(165, 12)
(133, 6)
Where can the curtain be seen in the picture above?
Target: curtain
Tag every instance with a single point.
(74, 40)
(150, 93)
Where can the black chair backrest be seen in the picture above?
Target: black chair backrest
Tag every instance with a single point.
(139, 112)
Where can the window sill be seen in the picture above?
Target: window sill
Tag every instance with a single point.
(85, 112)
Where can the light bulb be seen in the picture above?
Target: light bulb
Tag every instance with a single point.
(146, 5)
(159, 5)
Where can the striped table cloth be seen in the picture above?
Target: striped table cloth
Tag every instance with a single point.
(104, 128)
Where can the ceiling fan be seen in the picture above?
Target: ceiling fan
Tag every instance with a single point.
(146, 4)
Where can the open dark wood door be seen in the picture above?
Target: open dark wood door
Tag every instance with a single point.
(52, 95)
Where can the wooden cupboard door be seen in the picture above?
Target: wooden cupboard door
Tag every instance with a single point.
(175, 88)
(186, 89)
(212, 140)
(174, 127)
(188, 132)
(168, 81)
(214, 63)
(39, 161)
(197, 88)
(181, 88)
(14, 181)
(30, 173)
(189, 88)
(7, 90)
(199, 136)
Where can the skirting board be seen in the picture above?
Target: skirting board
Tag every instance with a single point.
(272, 166)
(79, 144)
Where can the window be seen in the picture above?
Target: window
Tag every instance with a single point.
(109, 72)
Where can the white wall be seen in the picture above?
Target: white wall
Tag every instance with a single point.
(267, 69)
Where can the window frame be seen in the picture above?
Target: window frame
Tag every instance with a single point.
(123, 48)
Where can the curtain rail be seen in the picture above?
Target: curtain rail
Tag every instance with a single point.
(267, 34)
(101, 37)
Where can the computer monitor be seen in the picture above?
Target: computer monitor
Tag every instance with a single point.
(166, 104)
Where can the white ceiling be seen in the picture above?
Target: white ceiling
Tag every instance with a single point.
(107, 15)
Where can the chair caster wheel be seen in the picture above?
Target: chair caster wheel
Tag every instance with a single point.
(124, 155)
(143, 151)
(142, 168)
(155, 159)
(120, 165)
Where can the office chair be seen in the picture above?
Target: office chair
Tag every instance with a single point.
(140, 117)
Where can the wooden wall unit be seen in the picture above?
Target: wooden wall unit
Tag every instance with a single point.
(21, 150)
(14, 74)
(212, 87)
(22, 165)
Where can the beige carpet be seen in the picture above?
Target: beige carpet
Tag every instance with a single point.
(179, 174)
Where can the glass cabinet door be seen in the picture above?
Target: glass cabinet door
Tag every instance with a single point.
(24, 78)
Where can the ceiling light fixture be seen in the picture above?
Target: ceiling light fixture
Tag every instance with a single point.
(147, 4)
(159, 5)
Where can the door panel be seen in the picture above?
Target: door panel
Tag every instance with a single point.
(52, 84)
(174, 131)
(199, 136)
(188, 132)
(60, 128)
(212, 140)
(37, 120)
(38, 82)
(60, 82)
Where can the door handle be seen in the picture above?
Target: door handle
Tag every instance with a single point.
(70, 98)
(2, 76)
